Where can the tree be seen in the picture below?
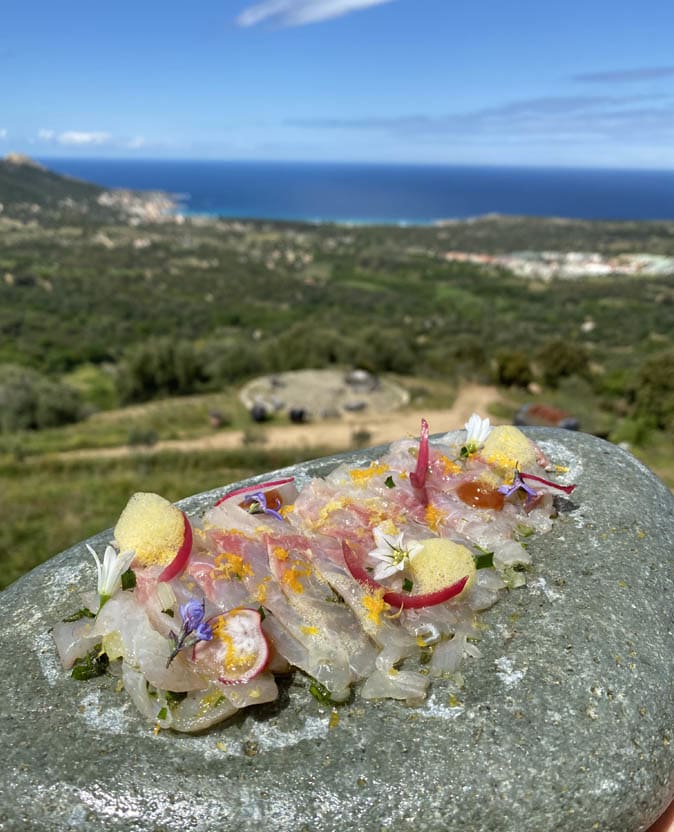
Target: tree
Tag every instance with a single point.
(559, 358)
(30, 400)
(655, 389)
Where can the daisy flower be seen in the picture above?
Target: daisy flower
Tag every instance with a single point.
(110, 571)
(394, 555)
(477, 431)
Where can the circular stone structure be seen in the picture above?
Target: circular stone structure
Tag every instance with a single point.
(324, 393)
(564, 723)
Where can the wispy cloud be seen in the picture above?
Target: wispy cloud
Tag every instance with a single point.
(3, 133)
(625, 76)
(546, 119)
(80, 137)
(301, 12)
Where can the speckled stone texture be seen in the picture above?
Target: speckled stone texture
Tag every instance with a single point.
(564, 723)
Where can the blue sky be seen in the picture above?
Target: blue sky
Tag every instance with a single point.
(553, 82)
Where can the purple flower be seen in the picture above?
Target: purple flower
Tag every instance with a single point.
(192, 614)
(257, 504)
(204, 632)
(518, 483)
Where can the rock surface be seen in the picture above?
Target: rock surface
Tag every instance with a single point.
(564, 723)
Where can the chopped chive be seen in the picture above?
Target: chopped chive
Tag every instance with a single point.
(388, 482)
(320, 693)
(484, 560)
(163, 713)
(85, 612)
(174, 697)
(90, 666)
(407, 585)
(128, 579)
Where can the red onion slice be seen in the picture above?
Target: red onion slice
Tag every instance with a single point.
(248, 489)
(399, 599)
(176, 566)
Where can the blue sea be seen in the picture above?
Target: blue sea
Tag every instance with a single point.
(391, 194)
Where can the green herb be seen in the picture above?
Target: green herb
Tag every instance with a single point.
(93, 664)
(523, 531)
(321, 693)
(426, 656)
(83, 613)
(169, 612)
(484, 560)
(388, 482)
(407, 585)
(173, 698)
(465, 453)
(163, 713)
(128, 579)
(263, 614)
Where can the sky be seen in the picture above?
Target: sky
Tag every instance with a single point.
(581, 83)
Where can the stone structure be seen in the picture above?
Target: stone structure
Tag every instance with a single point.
(564, 723)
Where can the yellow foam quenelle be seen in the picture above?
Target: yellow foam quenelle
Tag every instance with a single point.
(506, 447)
(439, 564)
(152, 527)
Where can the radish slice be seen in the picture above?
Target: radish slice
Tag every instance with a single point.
(182, 555)
(567, 489)
(400, 599)
(249, 489)
(418, 477)
(238, 651)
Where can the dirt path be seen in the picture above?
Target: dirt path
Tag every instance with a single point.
(337, 434)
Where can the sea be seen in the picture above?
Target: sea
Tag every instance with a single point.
(385, 193)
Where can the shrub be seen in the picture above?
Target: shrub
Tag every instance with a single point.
(30, 401)
(655, 390)
(159, 367)
(513, 368)
(559, 358)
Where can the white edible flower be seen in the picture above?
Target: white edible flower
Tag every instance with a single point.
(110, 571)
(477, 430)
(392, 552)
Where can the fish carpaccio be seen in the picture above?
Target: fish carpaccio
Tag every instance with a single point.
(369, 579)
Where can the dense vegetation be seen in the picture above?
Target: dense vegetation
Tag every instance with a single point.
(97, 313)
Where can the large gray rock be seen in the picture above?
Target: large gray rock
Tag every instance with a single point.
(565, 723)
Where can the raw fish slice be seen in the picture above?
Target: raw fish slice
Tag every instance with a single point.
(337, 676)
(197, 711)
(393, 642)
(201, 709)
(128, 632)
(74, 639)
(328, 630)
(396, 684)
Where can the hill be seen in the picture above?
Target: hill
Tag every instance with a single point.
(28, 191)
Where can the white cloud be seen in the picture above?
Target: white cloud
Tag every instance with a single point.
(300, 12)
(3, 133)
(135, 143)
(46, 135)
(79, 137)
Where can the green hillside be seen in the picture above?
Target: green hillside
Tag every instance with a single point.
(30, 192)
(22, 180)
